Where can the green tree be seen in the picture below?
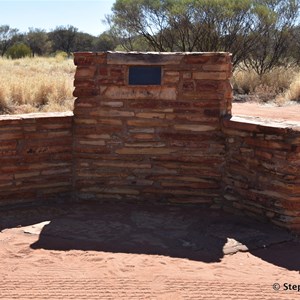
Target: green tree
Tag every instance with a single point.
(294, 46)
(236, 26)
(63, 38)
(83, 42)
(105, 42)
(18, 50)
(38, 41)
(7, 35)
(277, 20)
(145, 18)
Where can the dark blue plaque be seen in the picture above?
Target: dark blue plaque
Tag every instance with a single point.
(144, 75)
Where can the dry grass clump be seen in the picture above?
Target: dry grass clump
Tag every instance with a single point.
(293, 93)
(280, 86)
(36, 85)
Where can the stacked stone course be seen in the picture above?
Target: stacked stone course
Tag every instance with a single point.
(150, 142)
(35, 157)
(262, 174)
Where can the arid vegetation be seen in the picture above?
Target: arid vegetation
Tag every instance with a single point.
(280, 86)
(36, 85)
(262, 35)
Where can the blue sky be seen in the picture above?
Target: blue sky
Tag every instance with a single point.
(87, 16)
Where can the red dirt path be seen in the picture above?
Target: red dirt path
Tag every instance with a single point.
(284, 113)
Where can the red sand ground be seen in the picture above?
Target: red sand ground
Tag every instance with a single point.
(284, 113)
(113, 252)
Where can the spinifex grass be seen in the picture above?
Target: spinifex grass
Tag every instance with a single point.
(36, 85)
(280, 86)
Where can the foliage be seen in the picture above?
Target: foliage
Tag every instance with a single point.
(280, 85)
(83, 42)
(276, 19)
(38, 41)
(254, 31)
(18, 50)
(64, 38)
(105, 42)
(6, 38)
(60, 55)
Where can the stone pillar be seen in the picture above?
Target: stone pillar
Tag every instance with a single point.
(147, 125)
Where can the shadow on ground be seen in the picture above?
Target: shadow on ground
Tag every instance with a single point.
(176, 231)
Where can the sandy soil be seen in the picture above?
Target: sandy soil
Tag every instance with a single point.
(128, 252)
(290, 112)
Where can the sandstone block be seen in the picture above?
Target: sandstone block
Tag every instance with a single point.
(195, 128)
(120, 164)
(146, 123)
(85, 72)
(144, 93)
(93, 143)
(150, 115)
(114, 104)
(145, 145)
(143, 136)
(146, 151)
(112, 113)
(114, 122)
(210, 75)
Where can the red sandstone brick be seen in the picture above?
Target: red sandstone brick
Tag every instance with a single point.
(207, 85)
(11, 136)
(109, 122)
(121, 164)
(143, 136)
(114, 104)
(188, 86)
(93, 143)
(266, 144)
(150, 115)
(147, 123)
(197, 128)
(210, 75)
(88, 58)
(217, 67)
(8, 145)
(85, 92)
(112, 113)
(85, 72)
(103, 71)
(95, 130)
(146, 151)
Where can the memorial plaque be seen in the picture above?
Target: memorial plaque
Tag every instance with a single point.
(144, 75)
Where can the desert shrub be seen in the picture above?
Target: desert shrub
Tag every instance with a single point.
(245, 82)
(60, 55)
(272, 86)
(18, 50)
(294, 90)
(292, 94)
(3, 104)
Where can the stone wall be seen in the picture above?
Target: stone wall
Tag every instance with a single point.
(150, 142)
(172, 140)
(262, 174)
(35, 157)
